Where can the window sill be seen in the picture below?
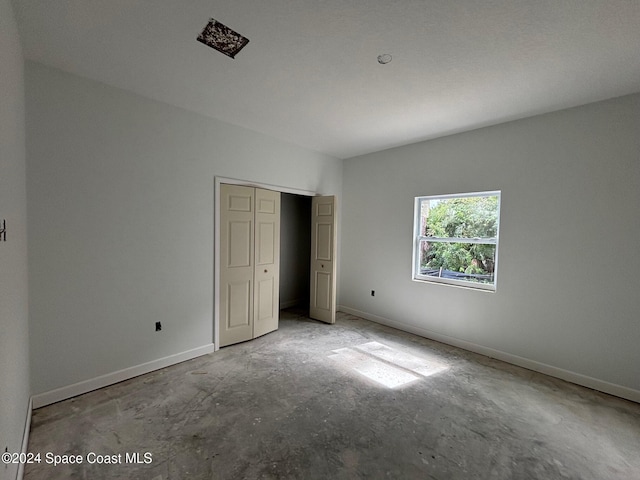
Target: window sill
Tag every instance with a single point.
(455, 283)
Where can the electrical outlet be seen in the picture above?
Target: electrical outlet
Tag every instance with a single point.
(373, 293)
(158, 326)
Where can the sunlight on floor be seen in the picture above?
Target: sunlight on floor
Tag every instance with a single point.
(385, 365)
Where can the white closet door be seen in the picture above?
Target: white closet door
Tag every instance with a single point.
(323, 262)
(236, 263)
(266, 306)
(249, 263)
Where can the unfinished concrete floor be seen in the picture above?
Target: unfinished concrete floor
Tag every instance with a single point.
(291, 405)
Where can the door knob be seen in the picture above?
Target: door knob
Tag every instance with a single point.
(265, 270)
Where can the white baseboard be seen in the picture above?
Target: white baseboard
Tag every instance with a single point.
(25, 438)
(577, 378)
(63, 393)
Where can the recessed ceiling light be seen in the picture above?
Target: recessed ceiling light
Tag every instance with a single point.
(384, 58)
(222, 38)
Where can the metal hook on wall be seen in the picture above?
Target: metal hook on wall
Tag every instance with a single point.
(3, 231)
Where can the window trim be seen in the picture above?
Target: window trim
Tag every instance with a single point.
(417, 238)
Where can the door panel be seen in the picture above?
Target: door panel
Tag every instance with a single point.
(265, 299)
(239, 302)
(265, 247)
(239, 202)
(266, 205)
(323, 291)
(267, 266)
(239, 244)
(323, 242)
(236, 264)
(324, 209)
(323, 263)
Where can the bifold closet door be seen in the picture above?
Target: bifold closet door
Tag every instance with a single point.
(249, 262)
(266, 299)
(236, 263)
(323, 259)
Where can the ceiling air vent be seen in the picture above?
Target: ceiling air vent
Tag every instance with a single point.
(222, 38)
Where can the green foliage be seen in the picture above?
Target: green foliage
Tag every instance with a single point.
(471, 217)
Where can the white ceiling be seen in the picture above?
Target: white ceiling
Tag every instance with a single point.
(309, 74)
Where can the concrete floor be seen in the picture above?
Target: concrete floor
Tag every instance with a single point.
(291, 405)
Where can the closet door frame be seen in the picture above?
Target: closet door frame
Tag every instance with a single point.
(216, 238)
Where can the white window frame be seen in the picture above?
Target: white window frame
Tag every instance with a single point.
(417, 276)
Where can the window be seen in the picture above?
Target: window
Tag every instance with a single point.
(456, 239)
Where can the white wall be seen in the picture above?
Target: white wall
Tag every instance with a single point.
(295, 249)
(121, 192)
(569, 267)
(14, 333)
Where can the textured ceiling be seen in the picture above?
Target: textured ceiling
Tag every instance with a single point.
(310, 75)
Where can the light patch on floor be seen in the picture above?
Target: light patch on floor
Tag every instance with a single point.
(379, 372)
(402, 359)
(385, 365)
